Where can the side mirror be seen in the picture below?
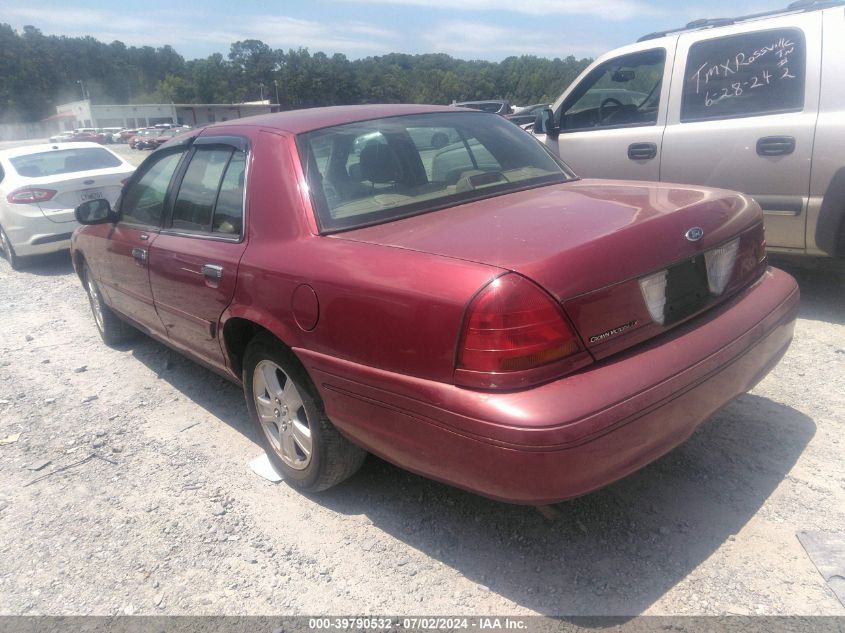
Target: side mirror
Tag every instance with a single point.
(97, 211)
(544, 122)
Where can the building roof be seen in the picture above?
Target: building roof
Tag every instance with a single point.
(60, 115)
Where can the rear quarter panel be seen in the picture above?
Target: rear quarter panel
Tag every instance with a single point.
(390, 308)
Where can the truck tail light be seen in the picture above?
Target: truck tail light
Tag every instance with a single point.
(513, 325)
(30, 195)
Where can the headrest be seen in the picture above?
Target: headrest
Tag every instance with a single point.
(379, 163)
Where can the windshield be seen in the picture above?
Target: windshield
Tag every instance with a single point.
(64, 161)
(376, 171)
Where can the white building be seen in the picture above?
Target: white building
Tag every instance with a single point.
(85, 114)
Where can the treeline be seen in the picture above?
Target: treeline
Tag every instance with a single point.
(38, 71)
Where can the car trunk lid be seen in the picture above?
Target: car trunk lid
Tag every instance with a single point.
(74, 189)
(590, 243)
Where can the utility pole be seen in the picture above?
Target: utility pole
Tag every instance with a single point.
(276, 83)
(261, 93)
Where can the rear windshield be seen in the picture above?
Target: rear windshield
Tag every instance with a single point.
(64, 161)
(381, 170)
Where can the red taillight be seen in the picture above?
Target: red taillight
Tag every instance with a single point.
(513, 325)
(28, 195)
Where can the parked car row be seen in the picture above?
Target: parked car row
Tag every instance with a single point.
(108, 135)
(154, 137)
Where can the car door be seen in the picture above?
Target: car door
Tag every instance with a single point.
(742, 116)
(610, 122)
(194, 260)
(127, 281)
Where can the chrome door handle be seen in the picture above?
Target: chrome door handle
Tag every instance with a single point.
(140, 255)
(212, 272)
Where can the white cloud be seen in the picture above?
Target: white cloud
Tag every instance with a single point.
(281, 31)
(173, 28)
(477, 40)
(606, 9)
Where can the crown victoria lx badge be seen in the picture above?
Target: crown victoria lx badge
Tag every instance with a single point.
(694, 234)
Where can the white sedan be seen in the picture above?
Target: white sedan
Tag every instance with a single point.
(41, 185)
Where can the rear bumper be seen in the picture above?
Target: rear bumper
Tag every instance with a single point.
(32, 233)
(579, 433)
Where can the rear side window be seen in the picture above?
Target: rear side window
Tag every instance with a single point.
(64, 161)
(198, 192)
(745, 75)
(211, 195)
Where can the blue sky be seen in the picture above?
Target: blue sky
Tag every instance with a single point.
(469, 29)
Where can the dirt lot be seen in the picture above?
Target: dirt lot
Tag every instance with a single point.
(128, 491)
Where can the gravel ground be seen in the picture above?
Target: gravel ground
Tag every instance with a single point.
(128, 491)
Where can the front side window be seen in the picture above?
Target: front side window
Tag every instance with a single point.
(211, 195)
(745, 75)
(381, 170)
(64, 161)
(143, 200)
(621, 92)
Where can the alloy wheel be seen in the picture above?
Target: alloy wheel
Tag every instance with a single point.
(96, 303)
(282, 414)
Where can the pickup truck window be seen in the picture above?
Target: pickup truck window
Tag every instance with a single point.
(745, 75)
(621, 92)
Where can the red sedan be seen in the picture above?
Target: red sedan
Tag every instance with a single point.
(89, 137)
(474, 313)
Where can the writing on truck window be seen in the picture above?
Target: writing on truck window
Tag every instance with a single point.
(745, 75)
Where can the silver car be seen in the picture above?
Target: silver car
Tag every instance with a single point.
(755, 104)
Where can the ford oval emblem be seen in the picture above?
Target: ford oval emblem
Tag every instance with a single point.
(88, 182)
(694, 234)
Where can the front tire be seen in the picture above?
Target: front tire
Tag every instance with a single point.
(9, 251)
(294, 431)
(112, 329)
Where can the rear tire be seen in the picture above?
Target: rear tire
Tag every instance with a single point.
(293, 429)
(9, 251)
(112, 329)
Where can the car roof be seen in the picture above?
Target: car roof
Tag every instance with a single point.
(44, 147)
(799, 6)
(299, 121)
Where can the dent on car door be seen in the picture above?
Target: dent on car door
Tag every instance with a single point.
(126, 280)
(742, 116)
(194, 260)
(611, 122)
